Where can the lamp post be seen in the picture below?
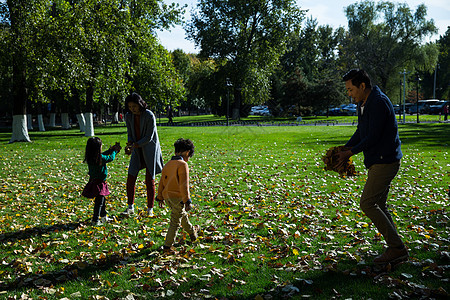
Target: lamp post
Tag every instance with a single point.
(404, 94)
(400, 102)
(417, 96)
(228, 85)
(434, 81)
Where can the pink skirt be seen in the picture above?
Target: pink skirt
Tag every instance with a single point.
(94, 188)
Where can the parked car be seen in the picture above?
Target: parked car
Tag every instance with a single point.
(265, 112)
(258, 110)
(424, 106)
(407, 108)
(397, 109)
(438, 108)
(336, 111)
(343, 110)
(349, 109)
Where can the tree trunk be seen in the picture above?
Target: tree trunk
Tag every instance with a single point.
(65, 122)
(19, 129)
(88, 116)
(89, 129)
(115, 118)
(79, 113)
(41, 122)
(29, 122)
(40, 117)
(235, 115)
(115, 109)
(52, 121)
(19, 92)
(81, 122)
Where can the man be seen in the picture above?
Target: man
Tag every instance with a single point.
(377, 137)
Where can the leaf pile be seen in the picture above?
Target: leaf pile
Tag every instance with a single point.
(331, 162)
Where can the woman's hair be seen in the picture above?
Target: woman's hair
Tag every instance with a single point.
(93, 153)
(182, 145)
(136, 98)
(357, 77)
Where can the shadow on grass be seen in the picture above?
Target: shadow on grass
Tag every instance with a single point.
(425, 135)
(15, 236)
(74, 270)
(59, 134)
(345, 278)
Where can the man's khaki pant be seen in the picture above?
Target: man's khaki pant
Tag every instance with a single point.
(178, 217)
(374, 197)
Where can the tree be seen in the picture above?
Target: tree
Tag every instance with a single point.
(309, 74)
(443, 75)
(386, 47)
(249, 36)
(425, 66)
(152, 73)
(77, 53)
(19, 39)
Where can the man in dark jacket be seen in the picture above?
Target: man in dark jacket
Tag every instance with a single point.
(377, 137)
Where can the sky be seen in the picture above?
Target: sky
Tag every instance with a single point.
(327, 12)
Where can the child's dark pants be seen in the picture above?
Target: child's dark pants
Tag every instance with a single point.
(99, 208)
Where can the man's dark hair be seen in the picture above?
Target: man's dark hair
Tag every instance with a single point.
(182, 145)
(357, 77)
(136, 98)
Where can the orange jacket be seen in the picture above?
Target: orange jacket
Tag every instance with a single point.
(174, 183)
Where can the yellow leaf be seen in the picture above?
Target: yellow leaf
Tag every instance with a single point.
(140, 246)
(295, 251)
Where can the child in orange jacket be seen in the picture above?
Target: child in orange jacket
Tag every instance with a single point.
(174, 189)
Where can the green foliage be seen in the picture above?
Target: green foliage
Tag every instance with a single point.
(271, 217)
(385, 47)
(443, 89)
(309, 72)
(249, 36)
(92, 50)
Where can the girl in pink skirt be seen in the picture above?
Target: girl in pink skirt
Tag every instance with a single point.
(97, 187)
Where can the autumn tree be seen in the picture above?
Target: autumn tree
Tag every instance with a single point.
(250, 36)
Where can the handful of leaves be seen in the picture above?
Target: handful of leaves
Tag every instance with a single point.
(331, 162)
(128, 149)
(116, 147)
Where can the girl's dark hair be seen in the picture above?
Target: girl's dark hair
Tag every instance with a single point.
(357, 77)
(136, 98)
(182, 145)
(93, 153)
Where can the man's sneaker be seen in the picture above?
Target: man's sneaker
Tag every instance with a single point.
(392, 255)
(150, 212)
(128, 211)
(106, 219)
(97, 223)
(168, 250)
(194, 235)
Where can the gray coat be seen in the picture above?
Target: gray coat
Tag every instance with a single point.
(148, 142)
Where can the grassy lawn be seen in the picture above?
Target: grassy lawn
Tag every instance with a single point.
(306, 120)
(273, 221)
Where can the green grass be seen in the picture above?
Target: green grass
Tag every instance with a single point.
(270, 217)
(307, 119)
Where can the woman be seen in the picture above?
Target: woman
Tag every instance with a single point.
(145, 149)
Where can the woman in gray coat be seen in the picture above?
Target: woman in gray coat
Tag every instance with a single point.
(145, 150)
